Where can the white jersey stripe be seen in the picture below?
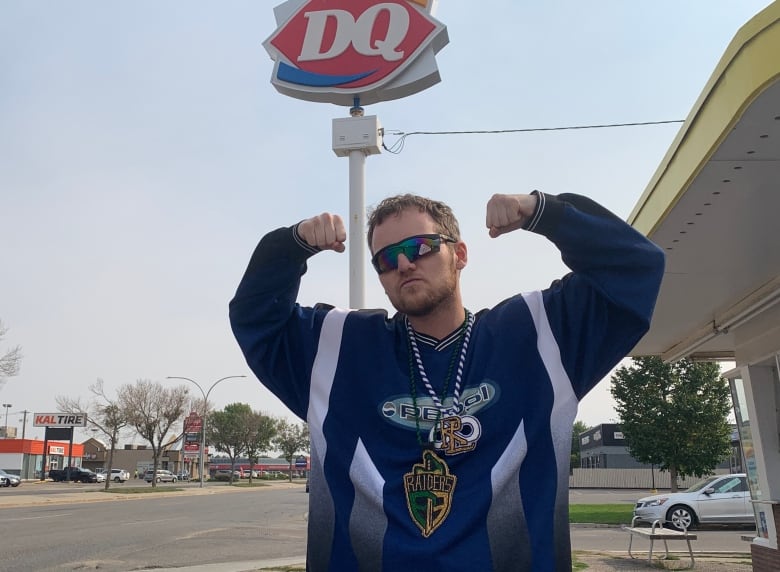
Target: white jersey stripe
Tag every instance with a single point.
(564, 410)
(322, 376)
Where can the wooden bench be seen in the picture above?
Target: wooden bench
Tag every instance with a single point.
(658, 532)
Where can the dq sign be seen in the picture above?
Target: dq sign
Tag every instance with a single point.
(334, 50)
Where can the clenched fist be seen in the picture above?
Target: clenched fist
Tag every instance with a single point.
(325, 231)
(506, 213)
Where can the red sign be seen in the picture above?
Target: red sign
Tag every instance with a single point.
(193, 423)
(347, 47)
(192, 447)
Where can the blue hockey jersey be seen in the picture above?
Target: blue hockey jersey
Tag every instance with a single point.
(504, 505)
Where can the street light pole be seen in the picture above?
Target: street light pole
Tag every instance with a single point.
(205, 395)
(7, 407)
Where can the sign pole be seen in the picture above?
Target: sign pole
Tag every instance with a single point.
(355, 137)
(45, 458)
(357, 221)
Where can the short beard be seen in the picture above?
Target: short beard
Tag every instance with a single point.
(443, 295)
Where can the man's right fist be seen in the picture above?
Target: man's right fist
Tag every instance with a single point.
(325, 231)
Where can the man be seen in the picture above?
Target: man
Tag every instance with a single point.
(441, 438)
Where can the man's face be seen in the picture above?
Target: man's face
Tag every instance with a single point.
(418, 288)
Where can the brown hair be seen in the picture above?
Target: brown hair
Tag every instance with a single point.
(441, 214)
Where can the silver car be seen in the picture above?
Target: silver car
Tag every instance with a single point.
(720, 499)
(162, 476)
(9, 480)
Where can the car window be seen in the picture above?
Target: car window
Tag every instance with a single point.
(729, 485)
(701, 485)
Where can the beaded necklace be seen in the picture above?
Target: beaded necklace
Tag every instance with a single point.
(414, 357)
(430, 484)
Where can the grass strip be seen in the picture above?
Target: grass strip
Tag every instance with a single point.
(601, 513)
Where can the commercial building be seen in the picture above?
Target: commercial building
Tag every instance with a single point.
(605, 446)
(24, 457)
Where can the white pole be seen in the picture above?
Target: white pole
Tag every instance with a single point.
(356, 137)
(357, 222)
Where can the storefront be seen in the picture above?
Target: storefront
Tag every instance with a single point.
(24, 457)
(713, 205)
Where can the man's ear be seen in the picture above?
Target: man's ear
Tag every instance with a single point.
(461, 255)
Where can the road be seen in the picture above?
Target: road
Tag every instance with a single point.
(233, 525)
(149, 532)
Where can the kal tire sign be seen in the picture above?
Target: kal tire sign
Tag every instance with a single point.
(335, 50)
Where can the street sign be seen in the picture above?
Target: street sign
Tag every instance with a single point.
(300, 463)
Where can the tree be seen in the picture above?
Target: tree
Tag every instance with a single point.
(228, 430)
(291, 439)
(103, 414)
(674, 416)
(259, 432)
(10, 361)
(574, 458)
(153, 410)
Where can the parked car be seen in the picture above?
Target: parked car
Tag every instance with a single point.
(119, 475)
(162, 476)
(9, 480)
(224, 474)
(74, 474)
(183, 476)
(720, 499)
(100, 477)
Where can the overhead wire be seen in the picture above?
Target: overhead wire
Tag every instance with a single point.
(398, 145)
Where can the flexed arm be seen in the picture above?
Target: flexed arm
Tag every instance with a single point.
(277, 335)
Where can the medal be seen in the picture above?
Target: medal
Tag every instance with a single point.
(429, 488)
(456, 434)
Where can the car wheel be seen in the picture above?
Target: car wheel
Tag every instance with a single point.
(174, 480)
(159, 479)
(681, 518)
(117, 480)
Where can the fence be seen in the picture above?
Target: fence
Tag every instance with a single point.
(628, 479)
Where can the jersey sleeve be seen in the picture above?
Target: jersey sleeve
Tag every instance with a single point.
(600, 310)
(278, 336)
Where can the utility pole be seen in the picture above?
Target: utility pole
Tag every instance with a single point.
(24, 422)
(26, 456)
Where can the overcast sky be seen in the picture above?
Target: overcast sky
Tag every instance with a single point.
(144, 152)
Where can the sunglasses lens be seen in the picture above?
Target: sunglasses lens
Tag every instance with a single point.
(412, 248)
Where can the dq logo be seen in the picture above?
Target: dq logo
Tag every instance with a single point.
(351, 46)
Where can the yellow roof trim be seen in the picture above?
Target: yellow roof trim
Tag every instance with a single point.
(748, 66)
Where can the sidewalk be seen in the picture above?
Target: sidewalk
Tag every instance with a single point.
(611, 561)
(606, 561)
(98, 495)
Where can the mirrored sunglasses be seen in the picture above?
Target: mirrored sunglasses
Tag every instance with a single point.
(412, 248)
